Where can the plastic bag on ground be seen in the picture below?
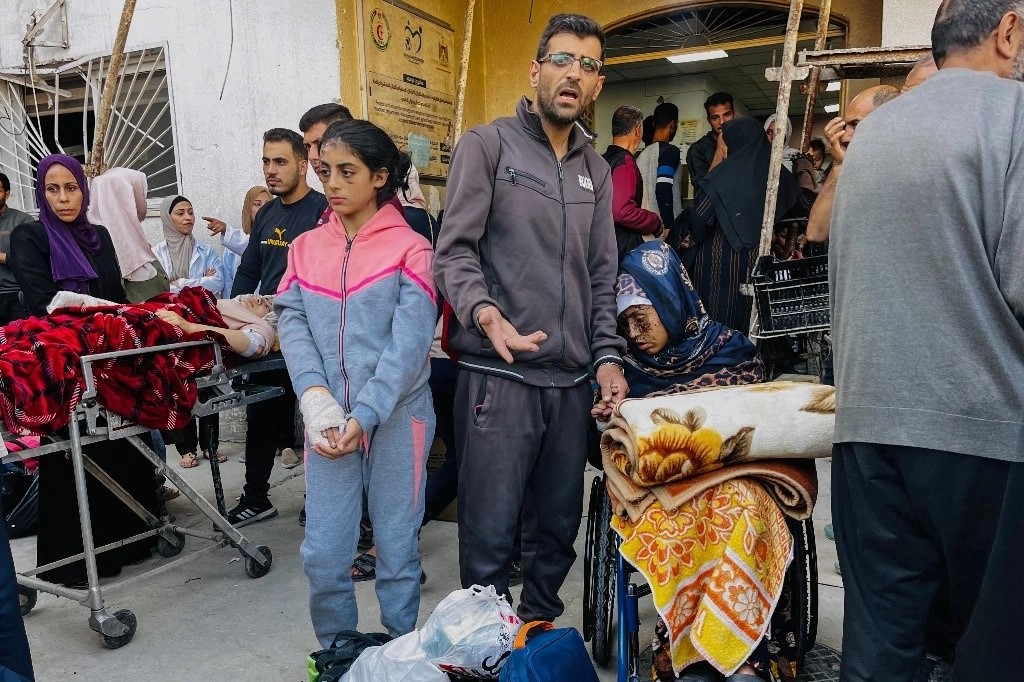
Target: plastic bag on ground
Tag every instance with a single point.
(400, 660)
(471, 633)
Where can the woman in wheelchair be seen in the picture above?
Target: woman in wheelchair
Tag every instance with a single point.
(715, 562)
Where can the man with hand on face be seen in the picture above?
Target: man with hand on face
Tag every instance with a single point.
(527, 260)
(838, 134)
(709, 151)
(632, 221)
(294, 210)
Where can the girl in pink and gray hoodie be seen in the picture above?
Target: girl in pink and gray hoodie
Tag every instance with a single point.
(356, 308)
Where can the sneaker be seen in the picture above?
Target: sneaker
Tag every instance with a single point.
(289, 460)
(515, 576)
(250, 512)
(302, 516)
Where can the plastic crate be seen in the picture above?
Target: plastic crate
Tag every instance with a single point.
(791, 296)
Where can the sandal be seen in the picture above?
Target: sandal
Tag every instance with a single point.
(170, 493)
(221, 457)
(189, 460)
(364, 568)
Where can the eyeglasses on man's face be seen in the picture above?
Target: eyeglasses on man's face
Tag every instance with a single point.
(564, 60)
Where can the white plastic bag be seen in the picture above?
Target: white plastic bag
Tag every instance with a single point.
(400, 660)
(471, 632)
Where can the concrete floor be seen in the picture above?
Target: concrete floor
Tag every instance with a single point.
(204, 619)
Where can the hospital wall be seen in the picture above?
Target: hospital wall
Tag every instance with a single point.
(283, 62)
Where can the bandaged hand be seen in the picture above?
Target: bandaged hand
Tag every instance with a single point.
(321, 414)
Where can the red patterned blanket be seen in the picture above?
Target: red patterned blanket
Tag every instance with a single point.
(41, 378)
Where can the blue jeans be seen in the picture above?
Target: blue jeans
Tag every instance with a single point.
(14, 654)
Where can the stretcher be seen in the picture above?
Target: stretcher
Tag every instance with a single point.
(219, 390)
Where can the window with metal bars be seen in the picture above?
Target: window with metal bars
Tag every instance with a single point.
(54, 110)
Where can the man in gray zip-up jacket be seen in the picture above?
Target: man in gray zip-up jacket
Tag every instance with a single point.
(528, 245)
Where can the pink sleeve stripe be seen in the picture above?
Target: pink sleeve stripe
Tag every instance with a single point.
(315, 288)
(285, 283)
(383, 274)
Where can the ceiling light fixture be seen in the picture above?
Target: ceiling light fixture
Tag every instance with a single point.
(698, 56)
(834, 86)
(832, 109)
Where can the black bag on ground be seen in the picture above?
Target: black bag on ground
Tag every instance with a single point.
(328, 665)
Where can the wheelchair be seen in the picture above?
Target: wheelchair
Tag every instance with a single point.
(612, 599)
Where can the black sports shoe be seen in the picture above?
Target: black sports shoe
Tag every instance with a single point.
(302, 516)
(246, 512)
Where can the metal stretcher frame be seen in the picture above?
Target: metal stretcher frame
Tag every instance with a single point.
(224, 389)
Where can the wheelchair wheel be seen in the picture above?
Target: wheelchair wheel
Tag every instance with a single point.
(588, 559)
(803, 574)
(602, 575)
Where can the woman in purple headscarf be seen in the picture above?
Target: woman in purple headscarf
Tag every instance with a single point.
(62, 251)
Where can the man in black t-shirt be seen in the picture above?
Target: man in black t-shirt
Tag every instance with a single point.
(294, 210)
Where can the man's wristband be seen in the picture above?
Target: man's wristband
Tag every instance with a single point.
(617, 362)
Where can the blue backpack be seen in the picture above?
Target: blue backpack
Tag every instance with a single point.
(548, 655)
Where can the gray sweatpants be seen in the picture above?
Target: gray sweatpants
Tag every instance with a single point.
(520, 447)
(394, 477)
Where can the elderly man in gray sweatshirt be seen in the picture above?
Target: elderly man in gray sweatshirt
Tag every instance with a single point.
(927, 278)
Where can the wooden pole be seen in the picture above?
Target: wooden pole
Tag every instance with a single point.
(812, 86)
(96, 164)
(460, 97)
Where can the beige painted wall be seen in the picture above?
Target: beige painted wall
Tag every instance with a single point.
(908, 22)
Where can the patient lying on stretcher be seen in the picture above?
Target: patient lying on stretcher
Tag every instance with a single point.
(251, 320)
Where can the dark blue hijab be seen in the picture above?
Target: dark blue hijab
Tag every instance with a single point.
(697, 345)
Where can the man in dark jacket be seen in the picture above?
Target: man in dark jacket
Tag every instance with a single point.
(528, 244)
(632, 221)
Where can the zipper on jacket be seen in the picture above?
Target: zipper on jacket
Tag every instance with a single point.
(341, 330)
(565, 229)
(514, 176)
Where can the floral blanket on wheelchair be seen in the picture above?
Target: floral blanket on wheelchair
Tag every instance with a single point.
(700, 484)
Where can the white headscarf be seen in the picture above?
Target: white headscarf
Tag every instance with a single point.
(119, 204)
(787, 133)
(180, 246)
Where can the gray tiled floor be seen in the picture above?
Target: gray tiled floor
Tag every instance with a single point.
(821, 665)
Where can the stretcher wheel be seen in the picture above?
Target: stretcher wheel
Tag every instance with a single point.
(602, 576)
(128, 618)
(27, 598)
(253, 569)
(168, 548)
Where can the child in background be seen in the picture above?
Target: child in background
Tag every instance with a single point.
(356, 309)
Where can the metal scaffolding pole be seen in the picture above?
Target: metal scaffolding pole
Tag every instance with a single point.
(787, 73)
(824, 14)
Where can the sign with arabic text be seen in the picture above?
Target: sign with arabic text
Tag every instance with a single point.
(410, 81)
